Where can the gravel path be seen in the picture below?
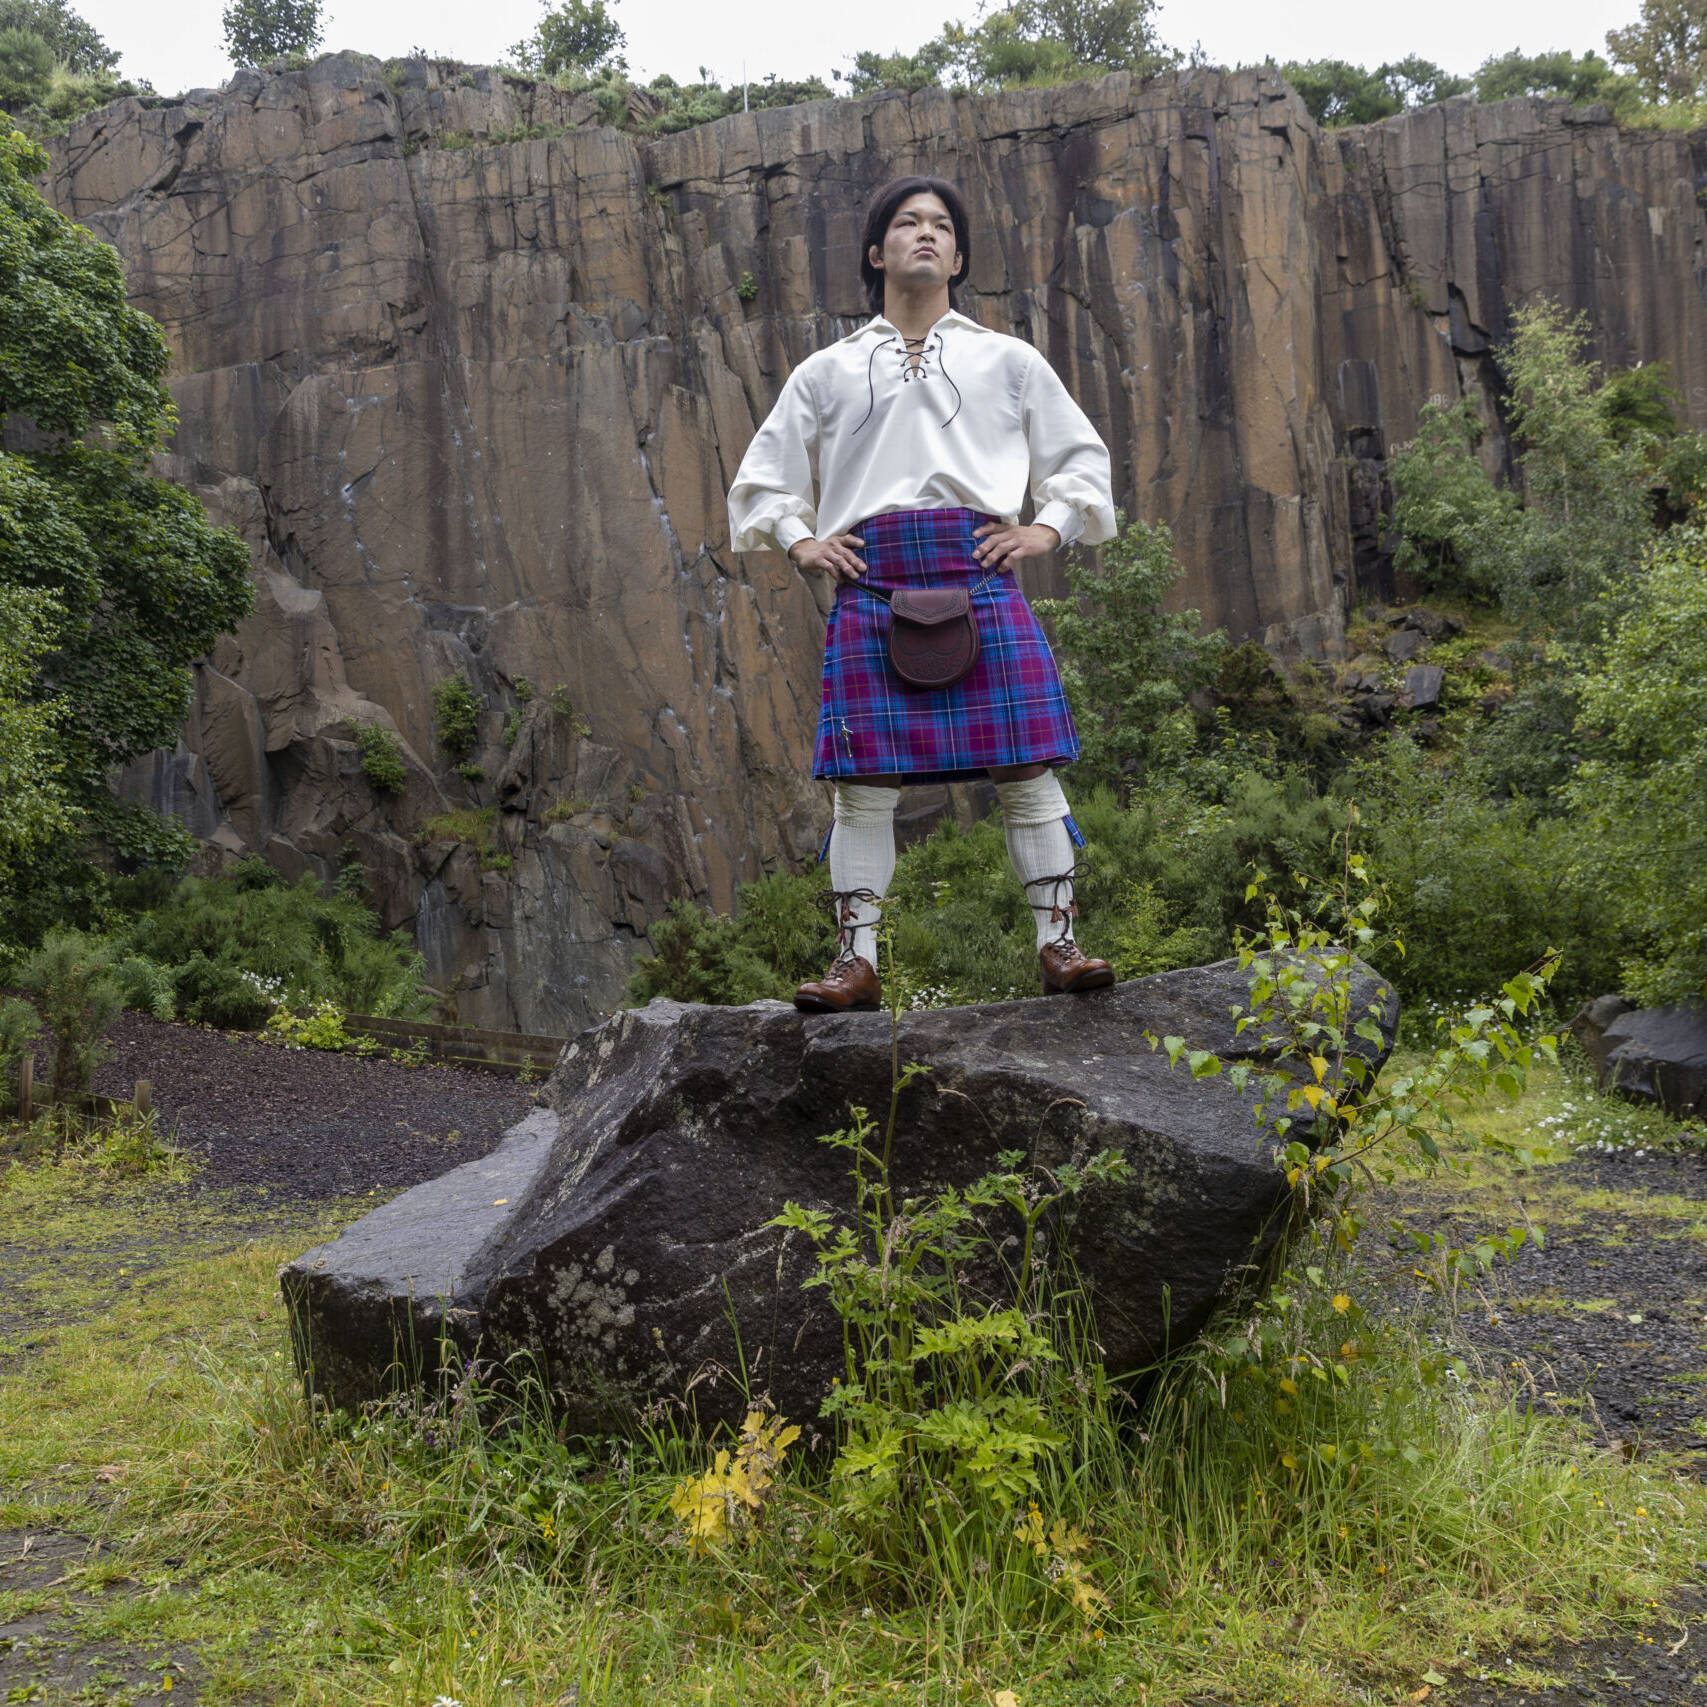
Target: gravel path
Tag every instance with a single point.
(1611, 1311)
(307, 1123)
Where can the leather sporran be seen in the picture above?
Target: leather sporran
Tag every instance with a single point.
(933, 634)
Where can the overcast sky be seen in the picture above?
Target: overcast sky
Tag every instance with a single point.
(178, 46)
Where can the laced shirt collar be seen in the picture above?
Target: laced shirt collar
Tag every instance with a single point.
(886, 329)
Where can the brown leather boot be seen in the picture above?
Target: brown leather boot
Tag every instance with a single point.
(850, 986)
(1067, 969)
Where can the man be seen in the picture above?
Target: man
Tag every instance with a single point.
(901, 457)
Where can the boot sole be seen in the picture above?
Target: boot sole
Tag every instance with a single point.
(1090, 981)
(812, 1005)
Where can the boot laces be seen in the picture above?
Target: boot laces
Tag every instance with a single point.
(842, 903)
(1060, 912)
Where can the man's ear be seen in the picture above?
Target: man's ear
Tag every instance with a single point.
(959, 265)
(875, 256)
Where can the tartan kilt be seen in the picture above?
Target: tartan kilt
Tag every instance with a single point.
(1009, 711)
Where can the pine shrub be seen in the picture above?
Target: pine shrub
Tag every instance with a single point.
(75, 978)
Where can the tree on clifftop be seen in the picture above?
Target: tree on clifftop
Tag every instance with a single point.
(1666, 48)
(1339, 93)
(257, 31)
(1026, 44)
(71, 40)
(26, 69)
(125, 580)
(580, 35)
(1559, 75)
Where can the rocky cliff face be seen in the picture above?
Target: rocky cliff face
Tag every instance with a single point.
(472, 374)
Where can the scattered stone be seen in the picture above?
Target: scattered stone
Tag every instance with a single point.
(1377, 709)
(1432, 624)
(1423, 685)
(622, 1238)
(1406, 645)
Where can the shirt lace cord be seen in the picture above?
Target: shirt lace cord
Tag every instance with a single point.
(914, 365)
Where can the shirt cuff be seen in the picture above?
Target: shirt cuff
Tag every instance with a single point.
(1061, 516)
(789, 532)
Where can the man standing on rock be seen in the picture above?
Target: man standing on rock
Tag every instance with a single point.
(898, 459)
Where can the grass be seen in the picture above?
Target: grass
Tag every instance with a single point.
(471, 826)
(1424, 1524)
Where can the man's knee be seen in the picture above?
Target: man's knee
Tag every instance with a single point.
(1017, 773)
(861, 803)
(1032, 800)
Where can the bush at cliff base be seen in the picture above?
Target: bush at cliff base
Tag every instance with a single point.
(230, 950)
(129, 580)
(1641, 804)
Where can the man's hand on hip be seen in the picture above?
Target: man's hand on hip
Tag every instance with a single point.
(1007, 543)
(834, 557)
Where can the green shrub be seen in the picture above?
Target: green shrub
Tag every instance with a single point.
(1129, 665)
(779, 936)
(1456, 529)
(239, 944)
(74, 976)
(456, 716)
(700, 957)
(26, 69)
(318, 1027)
(1478, 888)
(146, 986)
(20, 1026)
(1642, 802)
(217, 993)
(1587, 515)
(382, 759)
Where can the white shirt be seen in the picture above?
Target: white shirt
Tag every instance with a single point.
(983, 422)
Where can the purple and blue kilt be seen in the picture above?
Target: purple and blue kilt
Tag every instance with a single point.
(1009, 711)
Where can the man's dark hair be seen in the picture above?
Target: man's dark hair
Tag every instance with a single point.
(882, 209)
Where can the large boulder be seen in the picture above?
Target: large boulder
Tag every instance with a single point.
(622, 1236)
(1656, 1055)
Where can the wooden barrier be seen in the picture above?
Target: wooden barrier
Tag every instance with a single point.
(508, 1052)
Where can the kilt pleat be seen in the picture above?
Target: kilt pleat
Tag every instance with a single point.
(1009, 711)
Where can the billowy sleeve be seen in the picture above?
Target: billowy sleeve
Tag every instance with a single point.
(1071, 488)
(774, 501)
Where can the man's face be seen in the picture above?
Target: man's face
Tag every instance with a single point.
(919, 247)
